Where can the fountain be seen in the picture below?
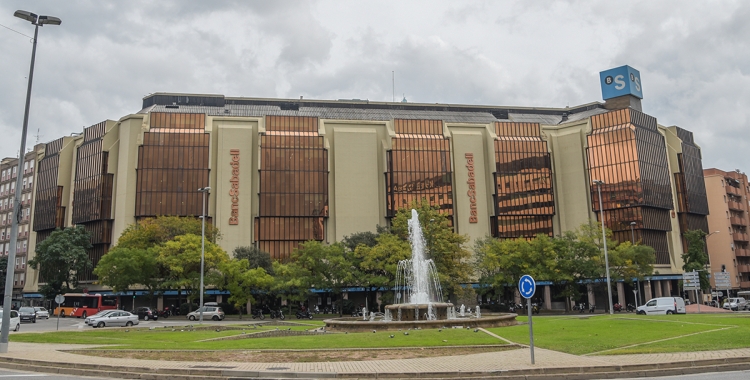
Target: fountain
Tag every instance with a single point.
(420, 297)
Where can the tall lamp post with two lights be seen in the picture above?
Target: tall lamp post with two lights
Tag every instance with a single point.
(205, 191)
(37, 21)
(599, 184)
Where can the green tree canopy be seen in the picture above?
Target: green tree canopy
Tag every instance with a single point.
(695, 258)
(181, 257)
(241, 281)
(61, 258)
(151, 232)
(123, 268)
(255, 257)
(367, 238)
(329, 267)
(376, 266)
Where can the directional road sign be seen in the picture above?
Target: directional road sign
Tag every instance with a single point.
(722, 280)
(691, 281)
(526, 286)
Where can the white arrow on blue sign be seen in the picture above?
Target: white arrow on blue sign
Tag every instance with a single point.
(526, 286)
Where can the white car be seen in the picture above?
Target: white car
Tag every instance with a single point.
(735, 304)
(117, 318)
(41, 312)
(663, 305)
(15, 319)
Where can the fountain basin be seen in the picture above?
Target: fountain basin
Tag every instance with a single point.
(418, 311)
(353, 324)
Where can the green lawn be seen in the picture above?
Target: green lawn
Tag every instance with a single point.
(165, 339)
(629, 333)
(580, 335)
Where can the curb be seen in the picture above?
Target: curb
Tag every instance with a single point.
(570, 373)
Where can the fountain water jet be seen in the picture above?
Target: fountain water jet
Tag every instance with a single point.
(418, 289)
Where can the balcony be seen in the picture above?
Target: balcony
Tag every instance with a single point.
(733, 190)
(745, 284)
(737, 221)
(740, 236)
(743, 268)
(733, 205)
(742, 252)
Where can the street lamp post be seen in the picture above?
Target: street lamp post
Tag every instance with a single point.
(205, 191)
(599, 184)
(37, 21)
(637, 282)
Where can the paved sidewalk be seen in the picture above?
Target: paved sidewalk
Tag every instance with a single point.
(513, 360)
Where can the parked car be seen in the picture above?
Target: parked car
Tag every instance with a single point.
(15, 319)
(663, 305)
(100, 314)
(209, 312)
(41, 312)
(118, 318)
(146, 313)
(27, 314)
(735, 304)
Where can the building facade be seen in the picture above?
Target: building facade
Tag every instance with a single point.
(283, 171)
(728, 240)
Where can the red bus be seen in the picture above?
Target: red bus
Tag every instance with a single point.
(82, 305)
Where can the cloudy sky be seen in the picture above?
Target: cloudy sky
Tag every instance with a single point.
(694, 58)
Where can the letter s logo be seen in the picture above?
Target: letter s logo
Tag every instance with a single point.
(637, 84)
(619, 83)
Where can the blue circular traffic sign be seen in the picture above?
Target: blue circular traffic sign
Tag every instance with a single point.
(526, 286)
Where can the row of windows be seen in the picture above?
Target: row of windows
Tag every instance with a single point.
(28, 167)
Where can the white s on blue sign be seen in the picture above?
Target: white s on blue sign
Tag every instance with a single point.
(623, 80)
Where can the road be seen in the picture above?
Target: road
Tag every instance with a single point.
(72, 324)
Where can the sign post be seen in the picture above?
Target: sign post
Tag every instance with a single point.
(722, 282)
(59, 299)
(527, 287)
(691, 281)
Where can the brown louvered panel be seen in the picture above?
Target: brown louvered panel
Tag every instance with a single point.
(89, 185)
(94, 132)
(171, 168)
(100, 231)
(524, 198)
(177, 120)
(293, 188)
(48, 194)
(419, 167)
(95, 254)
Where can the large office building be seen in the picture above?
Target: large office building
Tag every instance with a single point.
(285, 171)
(728, 240)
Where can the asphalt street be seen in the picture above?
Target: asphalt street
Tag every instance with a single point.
(71, 324)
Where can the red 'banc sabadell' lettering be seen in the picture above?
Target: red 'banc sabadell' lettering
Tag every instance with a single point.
(234, 188)
(472, 193)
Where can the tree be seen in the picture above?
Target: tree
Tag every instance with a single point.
(292, 280)
(181, 257)
(577, 260)
(445, 247)
(367, 238)
(61, 259)
(122, 268)
(330, 267)
(628, 261)
(151, 232)
(376, 266)
(240, 280)
(695, 258)
(255, 257)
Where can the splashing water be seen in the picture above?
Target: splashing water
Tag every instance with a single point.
(417, 280)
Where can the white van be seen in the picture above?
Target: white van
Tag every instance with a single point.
(663, 305)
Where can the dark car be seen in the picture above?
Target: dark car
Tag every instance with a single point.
(146, 313)
(27, 314)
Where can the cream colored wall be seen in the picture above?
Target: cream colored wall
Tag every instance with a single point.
(228, 134)
(570, 175)
(477, 141)
(130, 132)
(32, 276)
(720, 243)
(356, 182)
